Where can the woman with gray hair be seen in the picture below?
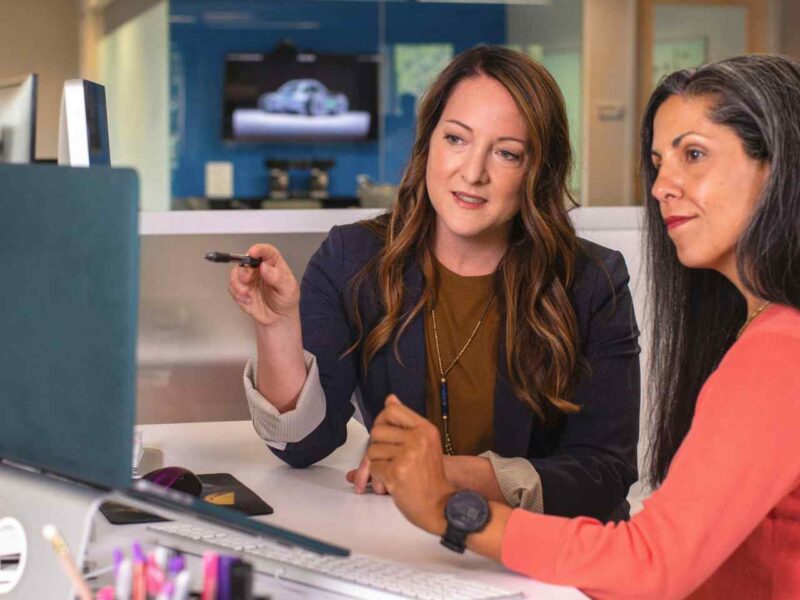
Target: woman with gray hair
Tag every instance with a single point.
(720, 152)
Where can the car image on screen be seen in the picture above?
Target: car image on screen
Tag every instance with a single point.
(303, 97)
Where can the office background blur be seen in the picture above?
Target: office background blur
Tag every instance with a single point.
(163, 65)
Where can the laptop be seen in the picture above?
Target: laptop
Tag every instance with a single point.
(69, 254)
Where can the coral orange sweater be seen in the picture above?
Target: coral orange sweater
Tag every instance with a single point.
(725, 523)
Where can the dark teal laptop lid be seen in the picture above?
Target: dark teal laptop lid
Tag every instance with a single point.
(69, 267)
(69, 256)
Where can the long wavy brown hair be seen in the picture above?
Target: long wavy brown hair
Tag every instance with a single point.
(534, 277)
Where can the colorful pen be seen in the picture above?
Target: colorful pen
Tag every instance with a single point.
(139, 573)
(210, 575)
(106, 593)
(155, 576)
(51, 534)
(118, 556)
(167, 591)
(225, 564)
(181, 591)
(122, 586)
(161, 555)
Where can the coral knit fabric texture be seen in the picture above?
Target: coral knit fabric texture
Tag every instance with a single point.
(725, 523)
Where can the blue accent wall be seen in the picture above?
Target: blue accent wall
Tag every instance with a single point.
(202, 32)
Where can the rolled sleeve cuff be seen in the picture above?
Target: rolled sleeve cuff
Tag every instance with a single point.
(278, 429)
(519, 482)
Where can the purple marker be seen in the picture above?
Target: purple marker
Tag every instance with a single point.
(224, 577)
(118, 556)
(138, 553)
(176, 564)
(167, 591)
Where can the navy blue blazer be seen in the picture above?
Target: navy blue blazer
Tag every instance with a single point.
(587, 462)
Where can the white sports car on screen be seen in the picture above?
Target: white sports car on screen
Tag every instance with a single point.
(303, 97)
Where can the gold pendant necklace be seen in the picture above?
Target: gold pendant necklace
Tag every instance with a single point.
(756, 312)
(443, 396)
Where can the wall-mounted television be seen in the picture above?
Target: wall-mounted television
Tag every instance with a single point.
(302, 97)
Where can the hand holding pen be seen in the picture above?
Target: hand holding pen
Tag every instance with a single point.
(269, 294)
(223, 257)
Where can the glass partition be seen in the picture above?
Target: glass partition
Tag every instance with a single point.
(687, 36)
(683, 34)
(172, 96)
(411, 40)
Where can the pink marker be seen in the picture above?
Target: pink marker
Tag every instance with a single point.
(155, 576)
(106, 593)
(210, 575)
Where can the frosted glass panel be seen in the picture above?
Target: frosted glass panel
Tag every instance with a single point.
(553, 34)
(689, 36)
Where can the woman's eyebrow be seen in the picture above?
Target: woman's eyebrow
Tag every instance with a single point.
(675, 142)
(511, 139)
(457, 122)
(506, 138)
(678, 139)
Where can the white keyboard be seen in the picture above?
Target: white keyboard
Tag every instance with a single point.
(357, 576)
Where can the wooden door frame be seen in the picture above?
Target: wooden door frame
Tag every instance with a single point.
(756, 31)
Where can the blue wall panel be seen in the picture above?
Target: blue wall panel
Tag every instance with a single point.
(202, 32)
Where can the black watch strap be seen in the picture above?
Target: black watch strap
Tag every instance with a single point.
(466, 512)
(455, 539)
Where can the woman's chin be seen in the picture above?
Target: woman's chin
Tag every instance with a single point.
(692, 259)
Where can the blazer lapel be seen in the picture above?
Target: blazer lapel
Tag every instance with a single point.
(512, 419)
(408, 380)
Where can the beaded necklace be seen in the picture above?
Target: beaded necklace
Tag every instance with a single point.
(443, 397)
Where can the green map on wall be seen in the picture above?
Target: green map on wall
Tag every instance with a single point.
(672, 55)
(415, 66)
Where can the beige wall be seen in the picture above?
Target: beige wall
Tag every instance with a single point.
(132, 61)
(41, 36)
(609, 109)
(790, 28)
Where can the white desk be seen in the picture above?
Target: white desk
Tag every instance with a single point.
(319, 502)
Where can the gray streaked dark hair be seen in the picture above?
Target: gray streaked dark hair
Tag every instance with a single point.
(697, 312)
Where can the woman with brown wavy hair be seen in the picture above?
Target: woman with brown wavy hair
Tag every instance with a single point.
(472, 300)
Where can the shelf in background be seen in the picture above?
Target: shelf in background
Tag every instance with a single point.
(200, 222)
(255, 203)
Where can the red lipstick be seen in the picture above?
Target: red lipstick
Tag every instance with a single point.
(676, 221)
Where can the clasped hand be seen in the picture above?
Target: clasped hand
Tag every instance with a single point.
(405, 459)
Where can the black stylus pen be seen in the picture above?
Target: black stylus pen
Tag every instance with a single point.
(224, 257)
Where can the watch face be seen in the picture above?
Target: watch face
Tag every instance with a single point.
(467, 511)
